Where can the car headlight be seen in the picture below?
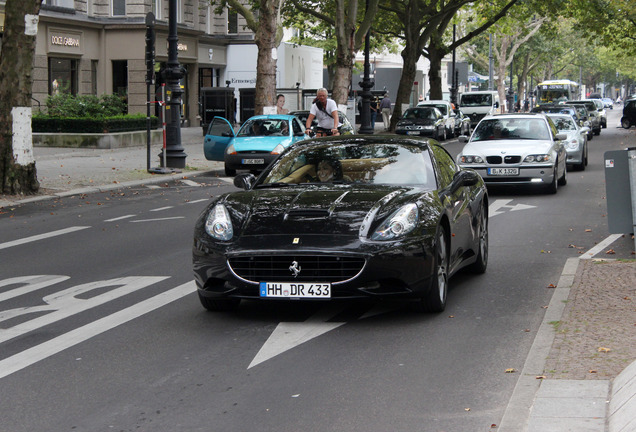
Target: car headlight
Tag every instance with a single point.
(470, 159)
(278, 149)
(218, 223)
(572, 144)
(230, 149)
(538, 158)
(401, 222)
(428, 127)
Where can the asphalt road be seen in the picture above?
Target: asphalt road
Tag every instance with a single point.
(100, 328)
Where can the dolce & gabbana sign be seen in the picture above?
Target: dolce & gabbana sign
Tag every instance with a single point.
(65, 41)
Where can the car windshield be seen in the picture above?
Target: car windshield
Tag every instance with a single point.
(395, 164)
(441, 107)
(563, 123)
(420, 113)
(511, 128)
(476, 100)
(264, 127)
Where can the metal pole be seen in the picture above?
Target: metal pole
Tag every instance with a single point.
(366, 84)
(174, 72)
(453, 77)
(490, 64)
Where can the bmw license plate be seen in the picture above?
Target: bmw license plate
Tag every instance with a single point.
(295, 290)
(253, 161)
(412, 132)
(503, 171)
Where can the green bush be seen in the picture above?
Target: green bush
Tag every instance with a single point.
(88, 114)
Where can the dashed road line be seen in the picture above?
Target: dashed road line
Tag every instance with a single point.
(42, 236)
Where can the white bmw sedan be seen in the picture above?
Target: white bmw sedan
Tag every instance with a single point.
(517, 149)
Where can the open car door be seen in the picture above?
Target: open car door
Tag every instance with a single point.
(219, 135)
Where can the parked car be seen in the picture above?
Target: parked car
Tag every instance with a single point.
(396, 219)
(422, 121)
(578, 112)
(629, 114)
(517, 149)
(594, 116)
(609, 103)
(257, 143)
(345, 129)
(576, 141)
(447, 111)
(600, 107)
(462, 123)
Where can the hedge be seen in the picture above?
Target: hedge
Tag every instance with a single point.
(122, 123)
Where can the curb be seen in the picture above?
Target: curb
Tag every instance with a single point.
(106, 188)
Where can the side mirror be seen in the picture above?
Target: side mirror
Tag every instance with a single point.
(462, 139)
(585, 129)
(561, 137)
(465, 177)
(245, 181)
(496, 105)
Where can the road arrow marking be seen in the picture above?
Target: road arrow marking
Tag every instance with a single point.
(494, 208)
(288, 335)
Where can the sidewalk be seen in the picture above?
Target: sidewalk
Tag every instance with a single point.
(580, 374)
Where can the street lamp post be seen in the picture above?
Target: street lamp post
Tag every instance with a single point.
(366, 84)
(175, 156)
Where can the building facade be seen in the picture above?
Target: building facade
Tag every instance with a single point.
(98, 47)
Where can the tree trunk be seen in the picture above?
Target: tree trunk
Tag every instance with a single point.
(435, 57)
(265, 38)
(410, 56)
(17, 166)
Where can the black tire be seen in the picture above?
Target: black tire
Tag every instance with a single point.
(625, 123)
(219, 305)
(553, 186)
(480, 265)
(597, 131)
(564, 178)
(229, 171)
(435, 299)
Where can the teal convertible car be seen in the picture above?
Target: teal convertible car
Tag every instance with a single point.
(257, 143)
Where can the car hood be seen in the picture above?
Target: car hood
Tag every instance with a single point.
(318, 209)
(511, 147)
(260, 143)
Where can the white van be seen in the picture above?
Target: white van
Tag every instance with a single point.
(479, 104)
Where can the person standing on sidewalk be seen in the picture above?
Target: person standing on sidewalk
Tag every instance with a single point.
(374, 110)
(325, 111)
(385, 109)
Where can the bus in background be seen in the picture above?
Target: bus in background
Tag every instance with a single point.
(555, 91)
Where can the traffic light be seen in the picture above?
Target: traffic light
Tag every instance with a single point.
(150, 48)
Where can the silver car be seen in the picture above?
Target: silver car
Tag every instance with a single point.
(517, 149)
(576, 141)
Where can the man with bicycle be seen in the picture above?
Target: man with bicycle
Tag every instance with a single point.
(325, 111)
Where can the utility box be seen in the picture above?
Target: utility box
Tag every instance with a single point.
(620, 187)
(216, 102)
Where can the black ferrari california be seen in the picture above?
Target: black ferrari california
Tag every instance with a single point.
(344, 217)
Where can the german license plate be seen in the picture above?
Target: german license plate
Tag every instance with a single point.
(253, 161)
(295, 290)
(412, 132)
(503, 171)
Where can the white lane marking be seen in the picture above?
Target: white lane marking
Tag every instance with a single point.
(120, 218)
(198, 201)
(288, 335)
(68, 302)
(190, 182)
(158, 219)
(161, 208)
(496, 205)
(40, 352)
(41, 236)
(599, 247)
(31, 283)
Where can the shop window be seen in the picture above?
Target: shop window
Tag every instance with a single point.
(62, 76)
(208, 77)
(232, 22)
(120, 79)
(118, 7)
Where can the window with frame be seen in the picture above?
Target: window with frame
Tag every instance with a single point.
(62, 76)
(232, 22)
(69, 4)
(156, 8)
(118, 7)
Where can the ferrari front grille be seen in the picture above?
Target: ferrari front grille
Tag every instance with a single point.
(300, 268)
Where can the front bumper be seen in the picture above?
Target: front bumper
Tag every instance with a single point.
(528, 175)
(402, 269)
(249, 160)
